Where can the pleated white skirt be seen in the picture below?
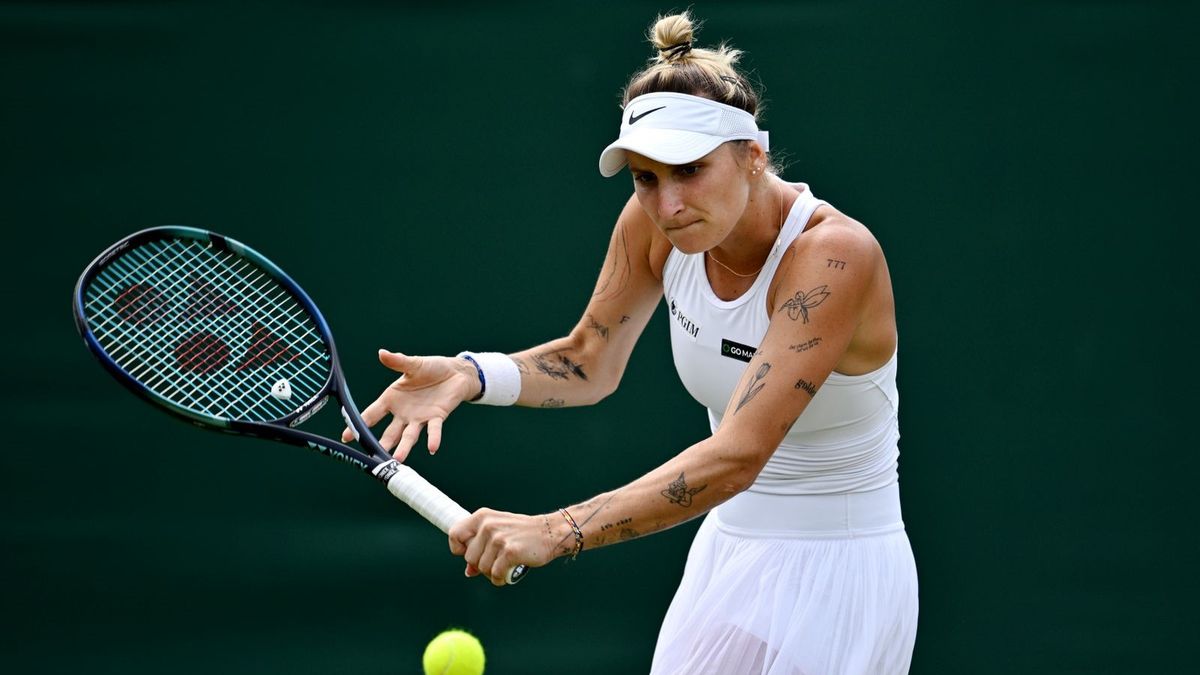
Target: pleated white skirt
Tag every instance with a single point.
(791, 585)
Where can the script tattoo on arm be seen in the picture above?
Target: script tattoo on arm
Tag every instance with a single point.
(600, 328)
(678, 492)
(615, 275)
(553, 403)
(807, 386)
(799, 305)
(756, 385)
(558, 366)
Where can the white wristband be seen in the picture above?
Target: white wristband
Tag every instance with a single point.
(499, 378)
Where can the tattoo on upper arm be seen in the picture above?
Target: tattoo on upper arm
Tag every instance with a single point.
(615, 275)
(558, 366)
(835, 264)
(756, 385)
(799, 305)
(553, 403)
(807, 386)
(805, 346)
(600, 328)
(678, 492)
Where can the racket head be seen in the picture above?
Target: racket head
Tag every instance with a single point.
(207, 329)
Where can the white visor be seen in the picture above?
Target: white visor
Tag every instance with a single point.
(677, 129)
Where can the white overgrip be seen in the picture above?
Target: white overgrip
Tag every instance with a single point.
(409, 487)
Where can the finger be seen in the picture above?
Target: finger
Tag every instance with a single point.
(434, 433)
(392, 434)
(471, 571)
(460, 535)
(397, 361)
(347, 435)
(500, 569)
(412, 433)
(376, 411)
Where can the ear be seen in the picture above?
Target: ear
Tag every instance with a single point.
(756, 159)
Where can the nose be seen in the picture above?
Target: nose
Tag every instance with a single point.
(670, 200)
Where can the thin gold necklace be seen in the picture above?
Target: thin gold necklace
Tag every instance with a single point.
(760, 267)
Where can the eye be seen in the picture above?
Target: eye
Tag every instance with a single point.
(689, 169)
(644, 177)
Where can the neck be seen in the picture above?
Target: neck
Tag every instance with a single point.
(749, 243)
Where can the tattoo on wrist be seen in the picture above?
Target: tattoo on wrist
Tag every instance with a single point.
(600, 329)
(799, 305)
(805, 346)
(553, 403)
(678, 492)
(806, 386)
(756, 385)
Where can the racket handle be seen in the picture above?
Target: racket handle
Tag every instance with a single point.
(409, 487)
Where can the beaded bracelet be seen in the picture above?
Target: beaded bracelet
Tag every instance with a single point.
(575, 529)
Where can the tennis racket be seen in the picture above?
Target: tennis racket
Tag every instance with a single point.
(209, 330)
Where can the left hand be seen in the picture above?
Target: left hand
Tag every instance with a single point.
(493, 542)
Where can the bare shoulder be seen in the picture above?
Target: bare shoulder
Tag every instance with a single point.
(645, 235)
(844, 239)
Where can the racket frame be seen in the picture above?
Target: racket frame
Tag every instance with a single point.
(371, 458)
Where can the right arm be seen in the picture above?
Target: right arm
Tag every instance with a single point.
(586, 365)
(579, 369)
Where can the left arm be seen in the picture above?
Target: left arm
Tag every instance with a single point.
(816, 305)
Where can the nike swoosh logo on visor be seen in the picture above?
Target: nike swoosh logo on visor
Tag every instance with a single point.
(634, 118)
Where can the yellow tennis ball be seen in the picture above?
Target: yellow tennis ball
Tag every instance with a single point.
(454, 652)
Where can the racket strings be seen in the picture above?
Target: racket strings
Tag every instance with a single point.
(168, 311)
(193, 309)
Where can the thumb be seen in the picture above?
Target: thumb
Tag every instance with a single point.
(397, 361)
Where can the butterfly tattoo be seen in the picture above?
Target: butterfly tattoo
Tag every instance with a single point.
(799, 305)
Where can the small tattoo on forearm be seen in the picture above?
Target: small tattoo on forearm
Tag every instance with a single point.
(805, 346)
(807, 386)
(553, 403)
(835, 264)
(678, 492)
(799, 305)
(628, 533)
(600, 329)
(559, 367)
(522, 366)
(624, 318)
(609, 526)
(754, 386)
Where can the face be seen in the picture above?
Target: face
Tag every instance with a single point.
(695, 205)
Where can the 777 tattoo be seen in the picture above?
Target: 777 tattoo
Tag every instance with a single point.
(799, 305)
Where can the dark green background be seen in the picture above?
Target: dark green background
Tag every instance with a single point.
(428, 172)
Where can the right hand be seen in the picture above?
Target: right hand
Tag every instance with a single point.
(429, 389)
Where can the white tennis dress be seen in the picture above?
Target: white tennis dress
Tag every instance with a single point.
(809, 571)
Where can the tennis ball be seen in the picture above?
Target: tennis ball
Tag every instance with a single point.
(454, 652)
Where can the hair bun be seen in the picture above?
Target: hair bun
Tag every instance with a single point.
(672, 36)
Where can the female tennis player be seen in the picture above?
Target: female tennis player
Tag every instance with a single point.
(782, 325)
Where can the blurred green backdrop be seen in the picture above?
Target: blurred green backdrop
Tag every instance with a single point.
(428, 172)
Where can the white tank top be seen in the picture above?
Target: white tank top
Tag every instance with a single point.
(846, 440)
